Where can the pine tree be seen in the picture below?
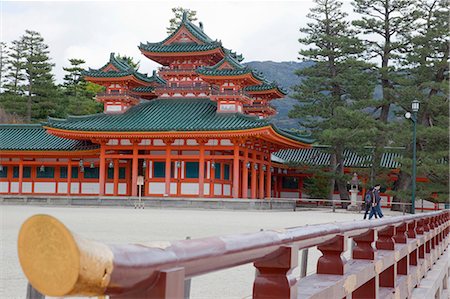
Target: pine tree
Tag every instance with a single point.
(426, 65)
(175, 21)
(79, 96)
(40, 88)
(16, 68)
(3, 64)
(329, 98)
(129, 60)
(387, 21)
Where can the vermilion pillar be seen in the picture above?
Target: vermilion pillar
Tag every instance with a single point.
(116, 177)
(236, 170)
(253, 182)
(20, 176)
(69, 177)
(102, 170)
(201, 170)
(168, 161)
(261, 177)
(134, 170)
(269, 178)
(245, 174)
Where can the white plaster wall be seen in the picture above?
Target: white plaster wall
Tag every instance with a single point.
(109, 188)
(191, 142)
(226, 142)
(217, 189)
(226, 189)
(206, 189)
(47, 187)
(90, 188)
(26, 187)
(74, 187)
(4, 187)
(284, 194)
(158, 142)
(173, 188)
(189, 188)
(191, 153)
(156, 188)
(14, 187)
(62, 187)
(122, 188)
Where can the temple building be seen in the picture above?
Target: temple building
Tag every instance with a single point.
(198, 127)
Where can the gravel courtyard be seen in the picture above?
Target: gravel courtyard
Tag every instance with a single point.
(122, 225)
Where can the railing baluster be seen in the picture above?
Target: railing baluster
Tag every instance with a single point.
(365, 251)
(274, 277)
(385, 242)
(332, 261)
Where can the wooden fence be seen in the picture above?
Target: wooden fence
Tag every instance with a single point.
(58, 262)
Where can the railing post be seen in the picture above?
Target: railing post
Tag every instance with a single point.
(332, 261)
(400, 238)
(304, 263)
(364, 250)
(274, 278)
(385, 242)
(411, 233)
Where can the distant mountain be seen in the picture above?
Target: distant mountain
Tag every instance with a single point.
(284, 74)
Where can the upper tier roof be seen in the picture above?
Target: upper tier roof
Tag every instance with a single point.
(229, 66)
(35, 138)
(167, 115)
(116, 68)
(266, 86)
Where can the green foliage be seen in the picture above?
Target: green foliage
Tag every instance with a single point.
(129, 60)
(316, 186)
(334, 86)
(175, 21)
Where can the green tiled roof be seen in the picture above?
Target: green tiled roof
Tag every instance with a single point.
(266, 86)
(143, 89)
(167, 114)
(35, 138)
(178, 47)
(236, 70)
(194, 29)
(162, 115)
(320, 157)
(124, 69)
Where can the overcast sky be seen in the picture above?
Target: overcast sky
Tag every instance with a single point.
(260, 30)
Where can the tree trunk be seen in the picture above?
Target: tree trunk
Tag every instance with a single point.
(332, 179)
(341, 183)
(402, 184)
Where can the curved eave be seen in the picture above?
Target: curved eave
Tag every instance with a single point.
(267, 133)
(76, 153)
(273, 93)
(100, 80)
(151, 54)
(248, 77)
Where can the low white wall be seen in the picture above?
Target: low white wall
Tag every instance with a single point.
(62, 188)
(47, 187)
(90, 188)
(156, 188)
(285, 194)
(226, 189)
(4, 187)
(189, 188)
(74, 187)
(217, 189)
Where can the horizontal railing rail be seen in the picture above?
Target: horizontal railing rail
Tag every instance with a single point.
(117, 94)
(59, 263)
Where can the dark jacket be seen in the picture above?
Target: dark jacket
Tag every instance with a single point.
(376, 193)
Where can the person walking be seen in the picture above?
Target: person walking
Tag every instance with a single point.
(369, 200)
(376, 193)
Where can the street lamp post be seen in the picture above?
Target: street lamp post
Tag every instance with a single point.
(415, 108)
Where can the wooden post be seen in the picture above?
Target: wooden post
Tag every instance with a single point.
(385, 242)
(274, 277)
(69, 177)
(253, 178)
(134, 170)
(168, 163)
(20, 176)
(364, 250)
(245, 174)
(102, 178)
(269, 178)
(201, 169)
(261, 177)
(236, 170)
(332, 261)
(116, 177)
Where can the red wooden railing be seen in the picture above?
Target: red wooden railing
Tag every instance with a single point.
(405, 249)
